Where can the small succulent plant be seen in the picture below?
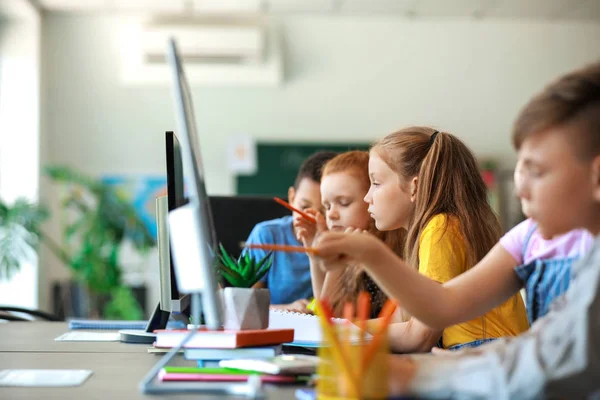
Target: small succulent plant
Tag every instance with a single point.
(244, 272)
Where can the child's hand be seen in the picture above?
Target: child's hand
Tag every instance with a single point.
(355, 245)
(442, 352)
(298, 306)
(306, 231)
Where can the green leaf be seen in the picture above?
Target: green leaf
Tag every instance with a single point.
(266, 263)
(244, 272)
(19, 234)
(233, 278)
(225, 255)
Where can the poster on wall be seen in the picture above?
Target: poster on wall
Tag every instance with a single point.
(241, 155)
(141, 191)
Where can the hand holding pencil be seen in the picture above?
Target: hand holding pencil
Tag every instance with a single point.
(337, 248)
(306, 231)
(294, 209)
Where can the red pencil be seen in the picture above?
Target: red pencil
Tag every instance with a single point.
(292, 208)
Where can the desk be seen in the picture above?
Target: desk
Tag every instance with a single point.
(39, 337)
(118, 370)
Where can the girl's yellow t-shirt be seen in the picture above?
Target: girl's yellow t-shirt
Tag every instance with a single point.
(442, 256)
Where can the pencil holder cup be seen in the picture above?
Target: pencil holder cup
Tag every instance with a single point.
(351, 369)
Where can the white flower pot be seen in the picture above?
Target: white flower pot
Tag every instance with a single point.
(245, 309)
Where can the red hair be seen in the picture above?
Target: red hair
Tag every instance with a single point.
(356, 163)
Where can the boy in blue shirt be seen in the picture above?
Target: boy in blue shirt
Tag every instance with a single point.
(289, 278)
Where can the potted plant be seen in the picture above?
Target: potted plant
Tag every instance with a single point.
(244, 307)
(97, 221)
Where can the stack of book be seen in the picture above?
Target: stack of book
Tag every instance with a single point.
(211, 357)
(210, 347)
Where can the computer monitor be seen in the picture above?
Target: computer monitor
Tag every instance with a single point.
(170, 302)
(194, 246)
(191, 228)
(169, 294)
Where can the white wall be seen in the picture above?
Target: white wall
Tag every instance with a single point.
(19, 129)
(347, 78)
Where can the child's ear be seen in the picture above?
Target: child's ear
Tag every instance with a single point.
(291, 194)
(413, 189)
(596, 178)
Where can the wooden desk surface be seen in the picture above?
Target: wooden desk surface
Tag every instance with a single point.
(116, 376)
(118, 367)
(39, 337)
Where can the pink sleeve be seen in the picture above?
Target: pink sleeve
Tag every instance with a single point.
(514, 239)
(587, 241)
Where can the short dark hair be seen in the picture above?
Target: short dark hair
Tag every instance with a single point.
(312, 167)
(573, 99)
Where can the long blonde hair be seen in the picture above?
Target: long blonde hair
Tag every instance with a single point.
(449, 182)
(356, 163)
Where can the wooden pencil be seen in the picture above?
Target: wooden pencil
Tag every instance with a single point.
(290, 207)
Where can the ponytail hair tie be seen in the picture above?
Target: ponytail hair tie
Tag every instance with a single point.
(432, 138)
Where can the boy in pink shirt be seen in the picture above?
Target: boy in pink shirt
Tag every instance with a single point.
(544, 264)
(572, 244)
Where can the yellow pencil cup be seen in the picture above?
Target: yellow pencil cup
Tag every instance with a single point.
(355, 380)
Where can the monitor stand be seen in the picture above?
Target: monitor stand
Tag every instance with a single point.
(157, 321)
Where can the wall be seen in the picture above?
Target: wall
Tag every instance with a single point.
(19, 128)
(346, 78)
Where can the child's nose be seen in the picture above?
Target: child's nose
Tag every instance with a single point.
(367, 198)
(522, 191)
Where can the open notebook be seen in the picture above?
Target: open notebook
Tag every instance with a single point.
(307, 329)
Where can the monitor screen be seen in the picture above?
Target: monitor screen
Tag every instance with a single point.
(175, 191)
(191, 228)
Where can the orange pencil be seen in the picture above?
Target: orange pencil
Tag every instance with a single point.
(280, 247)
(292, 208)
(348, 311)
(346, 329)
(363, 311)
(386, 317)
(324, 313)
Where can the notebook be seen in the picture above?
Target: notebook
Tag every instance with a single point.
(116, 325)
(287, 364)
(82, 336)
(224, 339)
(307, 328)
(106, 324)
(43, 377)
(226, 354)
(166, 376)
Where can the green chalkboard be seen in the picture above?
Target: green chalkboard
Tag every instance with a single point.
(278, 164)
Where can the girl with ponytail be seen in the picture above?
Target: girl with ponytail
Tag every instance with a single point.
(428, 183)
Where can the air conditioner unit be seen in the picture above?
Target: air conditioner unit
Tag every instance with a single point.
(206, 43)
(214, 52)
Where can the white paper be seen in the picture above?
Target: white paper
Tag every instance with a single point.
(43, 377)
(80, 336)
(241, 155)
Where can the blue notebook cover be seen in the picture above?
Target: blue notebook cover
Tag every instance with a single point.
(228, 354)
(114, 324)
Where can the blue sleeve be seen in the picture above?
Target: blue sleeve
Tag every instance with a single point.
(259, 235)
